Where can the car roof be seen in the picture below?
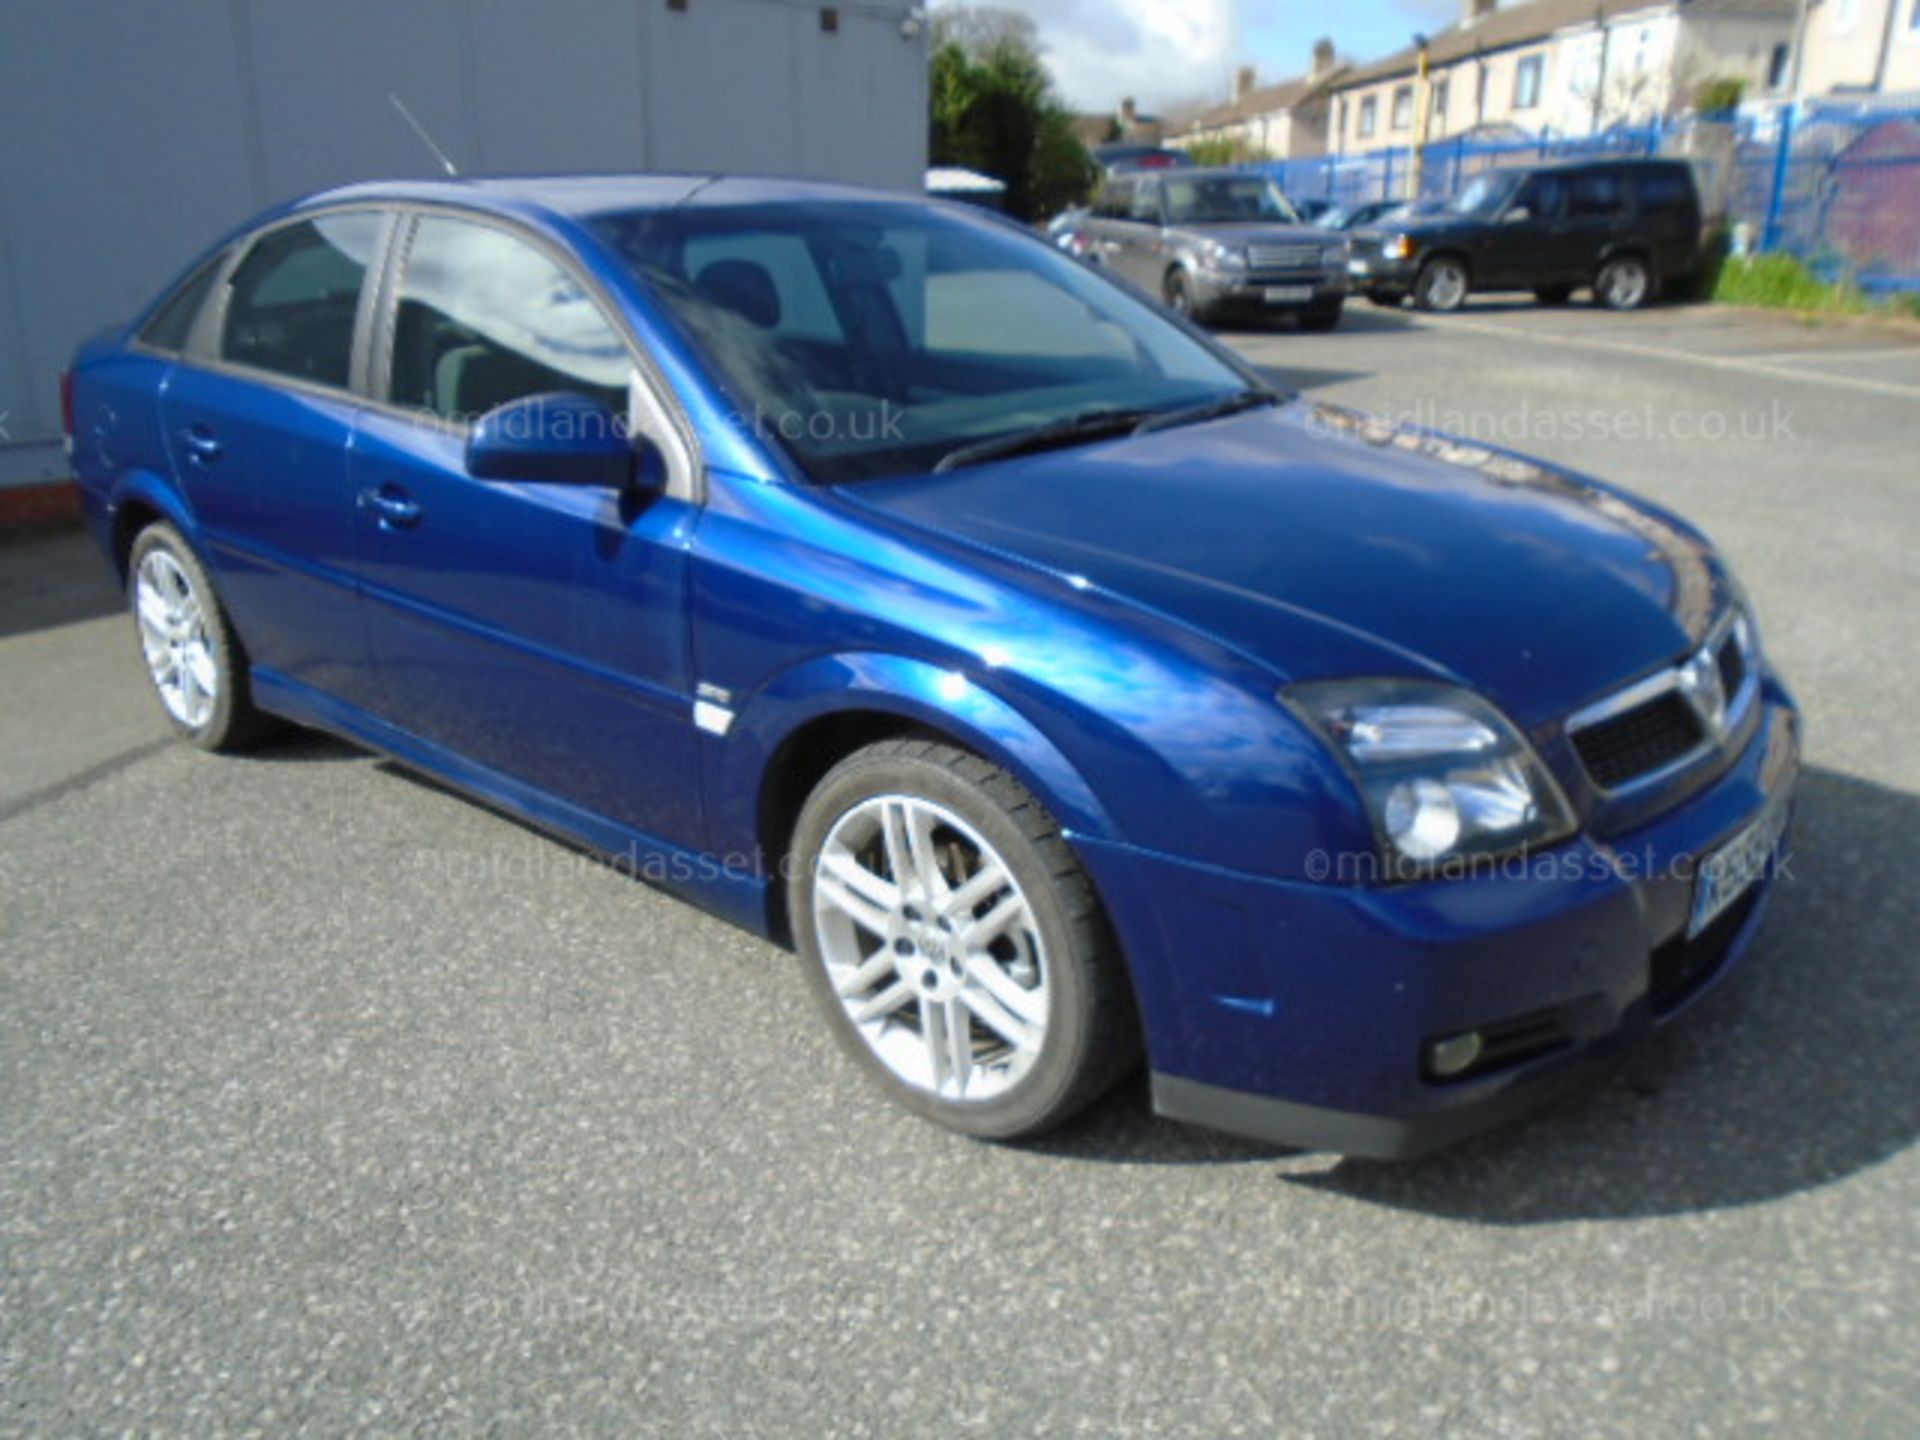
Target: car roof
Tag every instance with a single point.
(1610, 162)
(584, 196)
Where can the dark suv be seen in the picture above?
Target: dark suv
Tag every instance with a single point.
(1623, 227)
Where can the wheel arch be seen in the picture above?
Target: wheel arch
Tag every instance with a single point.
(793, 731)
(136, 502)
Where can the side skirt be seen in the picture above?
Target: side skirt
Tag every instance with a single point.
(734, 893)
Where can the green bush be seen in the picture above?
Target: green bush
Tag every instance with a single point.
(1720, 94)
(1780, 282)
(1225, 150)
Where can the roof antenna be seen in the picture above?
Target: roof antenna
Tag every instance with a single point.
(425, 138)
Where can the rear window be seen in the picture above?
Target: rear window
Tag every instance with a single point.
(294, 298)
(172, 323)
(1665, 192)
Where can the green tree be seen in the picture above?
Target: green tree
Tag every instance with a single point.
(994, 110)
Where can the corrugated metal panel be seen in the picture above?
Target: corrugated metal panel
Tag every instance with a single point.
(138, 133)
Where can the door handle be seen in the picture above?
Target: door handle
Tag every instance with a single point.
(201, 446)
(392, 507)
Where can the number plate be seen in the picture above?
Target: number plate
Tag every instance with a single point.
(1288, 294)
(1724, 876)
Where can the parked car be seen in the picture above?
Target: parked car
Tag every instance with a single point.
(1622, 227)
(866, 570)
(1213, 243)
(1068, 230)
(1117, 159)
(1359, 217)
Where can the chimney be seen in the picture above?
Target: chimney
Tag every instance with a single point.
(1128, 111)
(1322, 57)
(1474, 11)
(1243, 82)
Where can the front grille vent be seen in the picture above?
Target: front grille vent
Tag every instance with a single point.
(1638, 741)
(1282, 257)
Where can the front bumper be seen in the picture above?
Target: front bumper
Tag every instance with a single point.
(1300, 1013)
(1377, 272)
(1249, 291)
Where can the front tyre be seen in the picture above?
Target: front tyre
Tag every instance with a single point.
(1442, 284)
(193, 657)
(1624, 283)
(1177, 290)
(954, 942)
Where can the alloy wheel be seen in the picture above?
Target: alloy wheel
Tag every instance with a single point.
(173, 636)
(931, 947)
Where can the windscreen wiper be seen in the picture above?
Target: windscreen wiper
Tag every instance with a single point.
(1055, 434)
(1207, 410)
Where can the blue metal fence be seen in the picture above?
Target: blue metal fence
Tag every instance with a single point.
(1837, 185)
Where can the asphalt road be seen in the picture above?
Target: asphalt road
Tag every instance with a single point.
(331, 1102)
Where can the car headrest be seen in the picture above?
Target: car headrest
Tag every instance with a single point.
(742, 286)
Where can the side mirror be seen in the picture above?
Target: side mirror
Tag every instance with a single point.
(1516, 215)
(560, 439)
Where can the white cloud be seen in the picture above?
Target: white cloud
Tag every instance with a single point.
(1154, 50)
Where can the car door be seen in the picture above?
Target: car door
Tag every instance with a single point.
(1107, 225)
(538, 630)
(1526, 245)
(1597, 218)
(1144, 238)
(259, 413)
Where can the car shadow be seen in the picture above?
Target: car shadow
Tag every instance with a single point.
(1800, 1071)
(1359, 318)
(51, 576)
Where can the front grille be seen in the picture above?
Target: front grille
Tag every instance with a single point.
(1282, 257)
(1682, 966)
(1639, 741)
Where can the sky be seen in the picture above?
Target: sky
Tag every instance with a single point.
(1163, 52)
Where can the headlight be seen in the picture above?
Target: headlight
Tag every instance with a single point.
(1400, 247)
(1227, 257)
(1446, 778)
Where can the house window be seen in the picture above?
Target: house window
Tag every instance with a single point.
(1777, 64)
(1526, 81)
(1442, 93)
(1403, 108)
(1369, 116)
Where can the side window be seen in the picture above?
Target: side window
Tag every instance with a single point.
(292, 301)
(769, 278)
(172, 323)
(1116, 201)
(1598, 195)
(1662, 193)
(1543, 195)
(484, 318)
(1145, 208)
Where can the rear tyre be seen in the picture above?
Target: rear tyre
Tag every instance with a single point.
(196, 663)
(1442, 285)
(1322, 317)
(1624, 283)
(955, 944)
(1553, 294)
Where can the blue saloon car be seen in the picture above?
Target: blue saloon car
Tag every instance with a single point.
(883, 579)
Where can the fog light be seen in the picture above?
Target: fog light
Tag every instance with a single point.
(1449, 1057)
